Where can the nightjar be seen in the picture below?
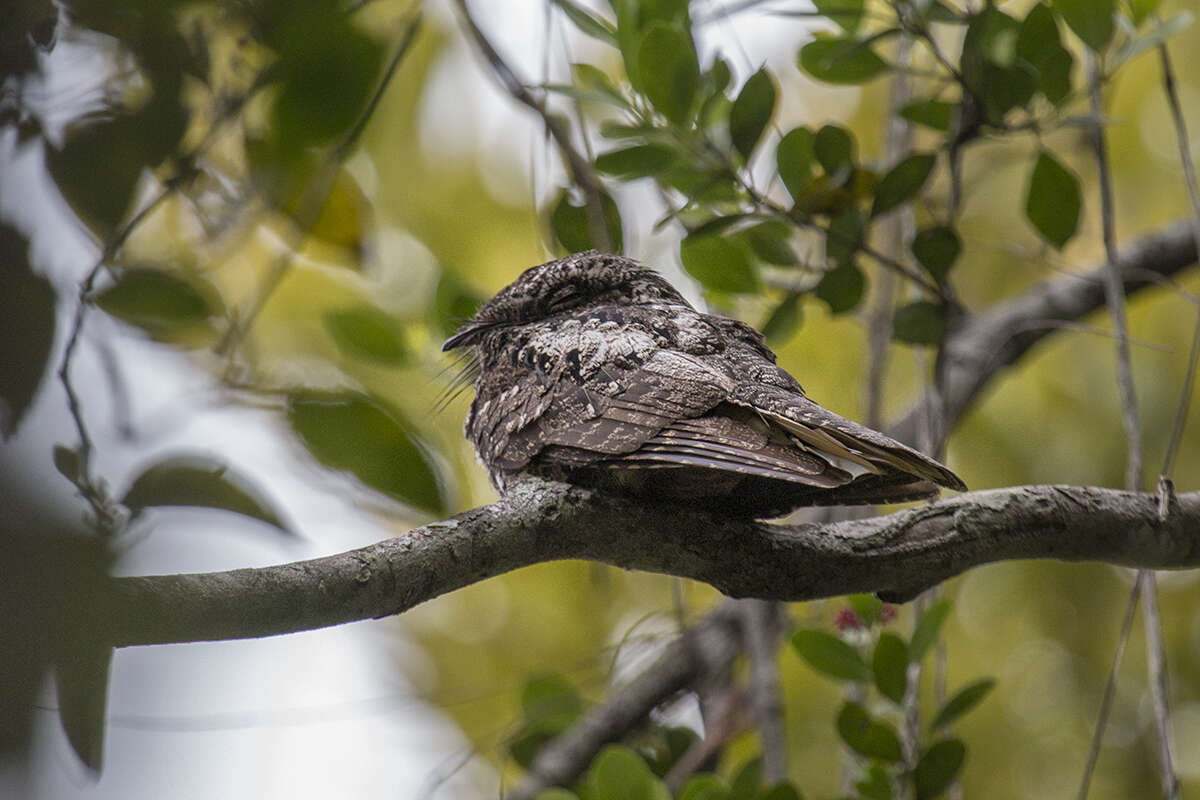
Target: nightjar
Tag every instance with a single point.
(594, 370)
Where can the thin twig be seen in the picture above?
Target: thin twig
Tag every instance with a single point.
(1110, 691)
(761, 629)
(579, 167)
(1156, 666)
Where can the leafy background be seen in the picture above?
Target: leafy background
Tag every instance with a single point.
(292, 294)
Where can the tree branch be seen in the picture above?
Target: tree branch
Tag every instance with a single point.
(897, 555)
(996, 338)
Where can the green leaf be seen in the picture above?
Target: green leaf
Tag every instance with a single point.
(936, 249)
(157, 301)
(551, 698)
(718, 263)
(847, 14)
(841, 61)
(784, 320)
(890, 666)
(751, 112)
(572, 228)
(597, 80)
(704, 787)
(1141, 9)
(770, 243)
(28, 310)
(366, 333)
(935, 114)
(902, 182)
(1091, 20)
(557, 793)
(1006, 88)
(619, 773)
(920, 322)
(1054, 75)
(963, 701)
(587, 22)
(638, 161)
(747, 781)
(926, 631)
(794, 159)
(866, 606)
(1053, 200)
(81, 677)
(357, 434)
(345, 217)
(831, 656)
(834, 148)
(842, 288)
(198, 481)
(844, 237)
(783, 790)
(669, 70)
(938, 768)
(877, 785)
(66, 461)
(866, 735)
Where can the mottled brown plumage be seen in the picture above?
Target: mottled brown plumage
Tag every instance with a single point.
(593, 370)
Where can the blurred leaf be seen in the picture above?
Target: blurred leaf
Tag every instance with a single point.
(27, 322)
(357, 434)
(366, 333)
(551, 698)
(963, 701)
(81, 678)
(783, 321)
(877, 785)
(588, 22)
(841, 60)
(704, 787)
(572, 229)
(847, 14)
(638, 161)
(326, 73)
(938, 768)
(1053, 200)
(66, 461)
(794, 158)
(782, 791)
(770, 243)
(844, 237)
(866, 606)
(557, 793)
(936, 249)
(902, 182)
(345, 219)
(834, 148)
(200, 481)
(890, 666)
(718, 263)
(595, 79)
(1141, 9)
(1054, 75)
(927, 628)
(935, 114)
(919, 322)
(1091, 20)
(866, 735)
(751, 112)
(158, 301)
(842, 288)
(747, 781)
(1006, 88)
(619, 773)
(669, 70)
(830, 655)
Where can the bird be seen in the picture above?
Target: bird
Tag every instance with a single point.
(594, 370)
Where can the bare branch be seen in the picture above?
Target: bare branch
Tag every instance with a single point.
(762, 626)
(897, 555)
(993, 339)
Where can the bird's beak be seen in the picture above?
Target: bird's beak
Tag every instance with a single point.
(467, 334)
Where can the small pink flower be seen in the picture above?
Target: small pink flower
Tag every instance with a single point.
(847, 620)
(887, 613)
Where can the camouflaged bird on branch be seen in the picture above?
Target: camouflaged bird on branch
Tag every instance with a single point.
(594, 370)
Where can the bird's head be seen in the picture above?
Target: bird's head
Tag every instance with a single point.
(572, 284)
